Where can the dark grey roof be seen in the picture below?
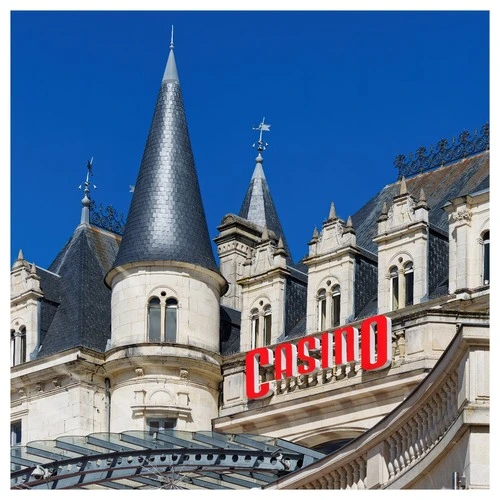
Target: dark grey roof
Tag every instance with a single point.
(258, 206)
(83, 316)
(230, 320)
(440, 185)
(166, 220)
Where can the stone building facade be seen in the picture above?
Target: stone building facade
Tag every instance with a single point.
(144, 332)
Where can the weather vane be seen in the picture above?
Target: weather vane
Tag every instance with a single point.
(86, 184)
(263, 127)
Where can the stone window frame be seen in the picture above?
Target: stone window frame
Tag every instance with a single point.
(398, 274)
(18, 346)
(164, 296)
(328, 295)
(484, 241)
(261, 320)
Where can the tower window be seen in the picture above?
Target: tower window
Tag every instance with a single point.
(160, 424)
(171, 320)
(154, 320)
(162, 319)
(486, 258)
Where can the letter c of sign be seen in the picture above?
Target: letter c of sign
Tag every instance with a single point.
(255, 358)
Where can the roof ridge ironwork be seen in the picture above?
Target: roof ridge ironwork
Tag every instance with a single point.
(466, 145)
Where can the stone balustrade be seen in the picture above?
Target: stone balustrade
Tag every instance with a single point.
(417, 433)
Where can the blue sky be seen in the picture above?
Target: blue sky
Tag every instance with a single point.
(344, 92)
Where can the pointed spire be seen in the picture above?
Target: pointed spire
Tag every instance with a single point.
(170, 74)
(258, 206)
(315, 237)
(332, 215)
(86, 201)
(166, 220)
(422, 201)
(20, 261)
(348, 226)
(402, 188)
(280, 250)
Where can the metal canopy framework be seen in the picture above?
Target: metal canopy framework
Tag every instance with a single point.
(163, 460)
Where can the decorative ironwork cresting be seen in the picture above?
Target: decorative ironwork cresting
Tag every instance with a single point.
(107, 218)
(465, 145)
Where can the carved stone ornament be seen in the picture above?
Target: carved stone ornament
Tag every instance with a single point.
(183, 373)
(462, 215)
(139, 372)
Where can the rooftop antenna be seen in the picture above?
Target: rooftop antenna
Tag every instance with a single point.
(263, 127)
(172, 38)
(86, 199)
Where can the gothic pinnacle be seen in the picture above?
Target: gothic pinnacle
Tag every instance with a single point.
(402, 188)
(332, 215)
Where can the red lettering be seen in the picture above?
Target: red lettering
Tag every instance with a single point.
(255, 358)
(327, 350)
(304, 347)
(286, 361)
(346, 345)
(380, 358)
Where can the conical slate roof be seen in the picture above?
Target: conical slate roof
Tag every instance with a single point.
(166, 220)
(258, 206)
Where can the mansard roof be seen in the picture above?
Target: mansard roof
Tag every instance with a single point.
(440, 185)
(166, 220)
(76, 308)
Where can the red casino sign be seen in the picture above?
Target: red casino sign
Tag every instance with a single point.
(337, 348)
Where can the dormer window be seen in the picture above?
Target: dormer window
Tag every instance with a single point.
(394, 278)
(261, 321)
(321, 309)
(336, 305)
(408, 274)
(267, 325)
(162, 319)
(486, 258)
(18, 346)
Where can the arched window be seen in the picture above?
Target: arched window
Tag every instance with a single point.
(321, 309)
(408, 269)
(267, 325)
(335, 305)
(22, 344)
(12, 348)
(154, 320)
(393, 276)
(18, 346)
(486, 258)
(170, 320)
(254, 318)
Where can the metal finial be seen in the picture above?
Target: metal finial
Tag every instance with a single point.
(262, 127)
(172, 38)
(87, 184)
